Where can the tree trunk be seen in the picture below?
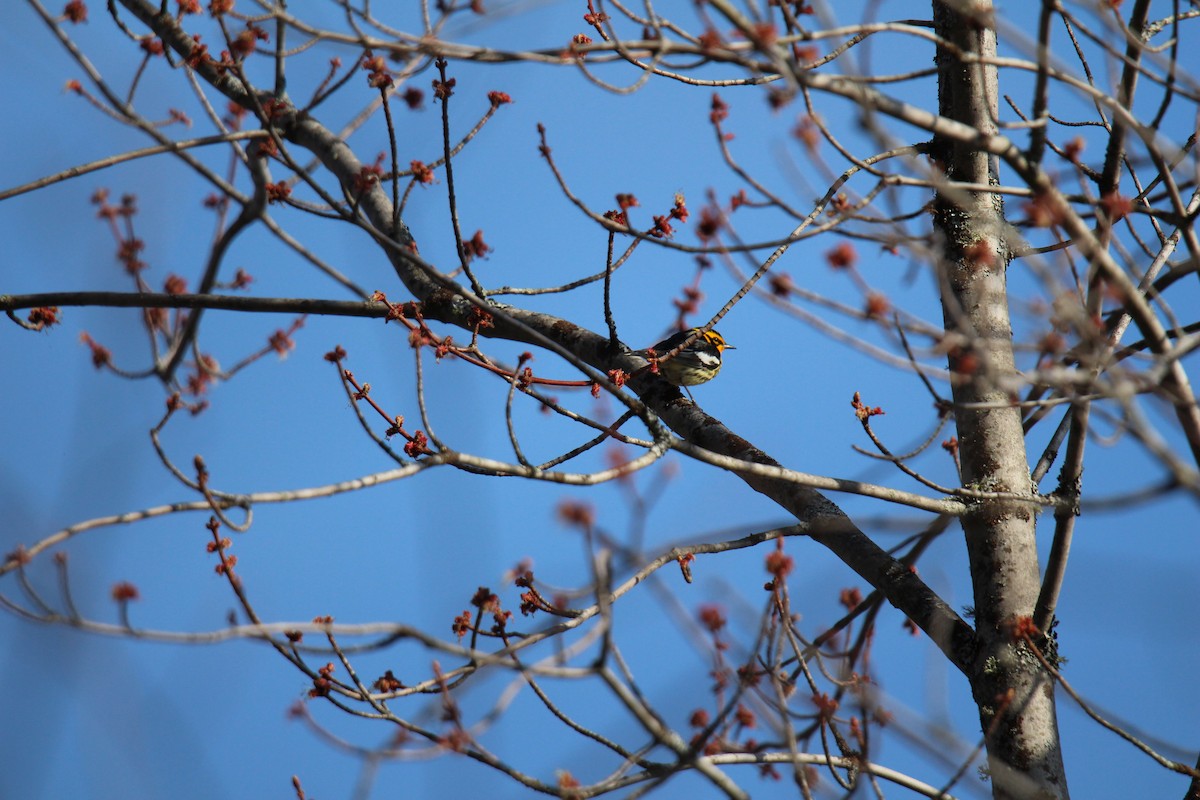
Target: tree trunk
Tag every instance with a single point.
(1014, 695)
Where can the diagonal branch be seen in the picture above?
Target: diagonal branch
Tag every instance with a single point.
(446, 301)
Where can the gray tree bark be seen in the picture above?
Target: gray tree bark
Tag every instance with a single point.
(1014, 695)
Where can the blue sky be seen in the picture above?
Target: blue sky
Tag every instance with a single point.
(107, 717)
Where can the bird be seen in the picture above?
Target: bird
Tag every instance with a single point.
(697, 363)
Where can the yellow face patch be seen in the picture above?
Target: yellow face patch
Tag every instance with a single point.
(717, 341)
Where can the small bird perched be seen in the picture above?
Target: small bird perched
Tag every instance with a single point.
(697, 363)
